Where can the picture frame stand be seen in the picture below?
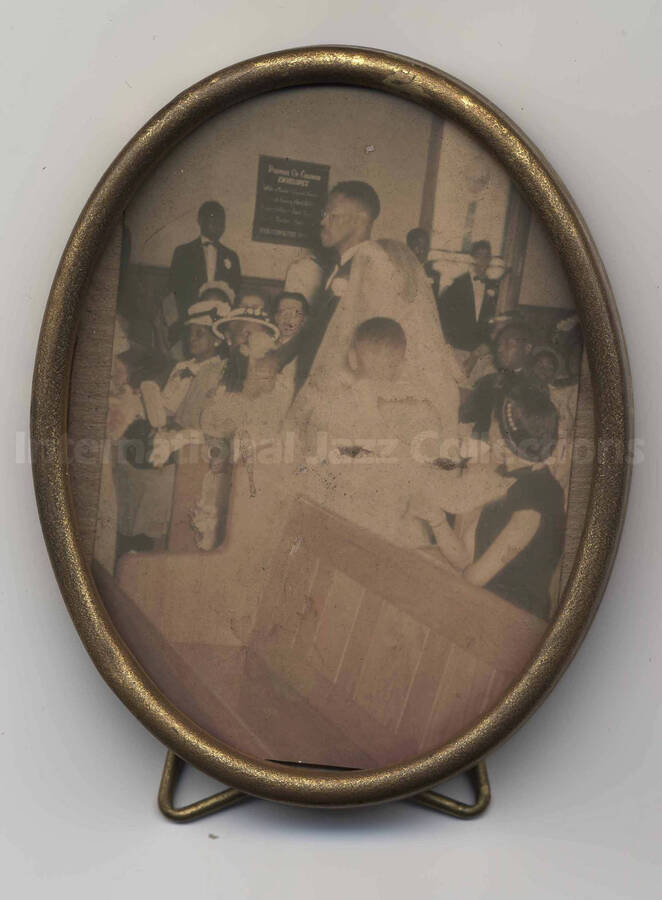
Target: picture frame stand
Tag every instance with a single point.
(174, 766)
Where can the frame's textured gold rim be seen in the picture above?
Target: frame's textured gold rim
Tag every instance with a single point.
(449, 98)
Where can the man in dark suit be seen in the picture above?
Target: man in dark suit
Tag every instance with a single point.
(203, 260)
(347, 221)
(469, 302)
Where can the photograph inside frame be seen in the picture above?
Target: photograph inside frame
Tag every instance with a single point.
(338, 415)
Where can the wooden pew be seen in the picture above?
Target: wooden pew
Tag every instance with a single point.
(388, 644)
(362, 653)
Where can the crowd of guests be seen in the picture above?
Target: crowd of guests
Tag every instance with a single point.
(237, 360)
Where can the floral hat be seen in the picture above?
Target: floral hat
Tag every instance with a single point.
(246, 314)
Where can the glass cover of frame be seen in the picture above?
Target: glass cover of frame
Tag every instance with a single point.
(327, 407)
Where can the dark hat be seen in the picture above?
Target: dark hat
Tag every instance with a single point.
(529, 421)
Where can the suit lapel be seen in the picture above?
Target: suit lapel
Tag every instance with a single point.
(200, 264)
(220, 256)
(470, 303)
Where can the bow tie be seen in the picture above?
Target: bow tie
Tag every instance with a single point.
(208, 243)
(479, 278)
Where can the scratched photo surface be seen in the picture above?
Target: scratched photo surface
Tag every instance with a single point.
(339, 407)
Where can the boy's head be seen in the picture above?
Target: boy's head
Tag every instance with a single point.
(202, 341)
(290, 314)
(378, 349)
(528, 422)
(512, 347)
(253, 300)
(545, 364)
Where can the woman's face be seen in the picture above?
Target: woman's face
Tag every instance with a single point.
(545, 368)
(512, 350)
(201, 341)
(290, 317)
(250, 337)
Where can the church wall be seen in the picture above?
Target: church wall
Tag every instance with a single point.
(360, 134)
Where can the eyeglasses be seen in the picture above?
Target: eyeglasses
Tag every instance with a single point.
(331, 216)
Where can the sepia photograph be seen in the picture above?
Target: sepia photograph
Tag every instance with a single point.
(331, 509)
(339, 399)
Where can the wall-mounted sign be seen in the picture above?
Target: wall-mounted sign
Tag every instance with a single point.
(289, 201)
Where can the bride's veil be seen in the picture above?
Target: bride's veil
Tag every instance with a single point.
(387, 280)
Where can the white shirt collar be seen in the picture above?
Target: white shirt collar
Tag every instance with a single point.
(345, 258)
(348, 254)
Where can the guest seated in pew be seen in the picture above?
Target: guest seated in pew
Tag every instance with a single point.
(245, 410)
(483, 362)
(253, 300)
(174, 411)
(177, 405)
(512, 545)
(291, 312)
(512, 352)
(194, 380)
(266, 393)
(248, 375)
(218, 292)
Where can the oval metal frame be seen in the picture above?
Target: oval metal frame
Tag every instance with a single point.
(449, 98)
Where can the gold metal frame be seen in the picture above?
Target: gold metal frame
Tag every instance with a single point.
(445, 97)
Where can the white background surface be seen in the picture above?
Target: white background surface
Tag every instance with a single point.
(576, 793)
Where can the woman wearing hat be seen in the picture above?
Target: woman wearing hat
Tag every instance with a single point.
(241, 405)
(192, 380)
(251, 336)
(176, 410)
(512, 545)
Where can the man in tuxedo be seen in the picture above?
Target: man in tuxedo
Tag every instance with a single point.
(203, 260)
(469, 302)
(347, 221)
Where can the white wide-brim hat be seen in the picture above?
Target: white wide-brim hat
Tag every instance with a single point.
(246, 314)
(209, 313)
(221, 286)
